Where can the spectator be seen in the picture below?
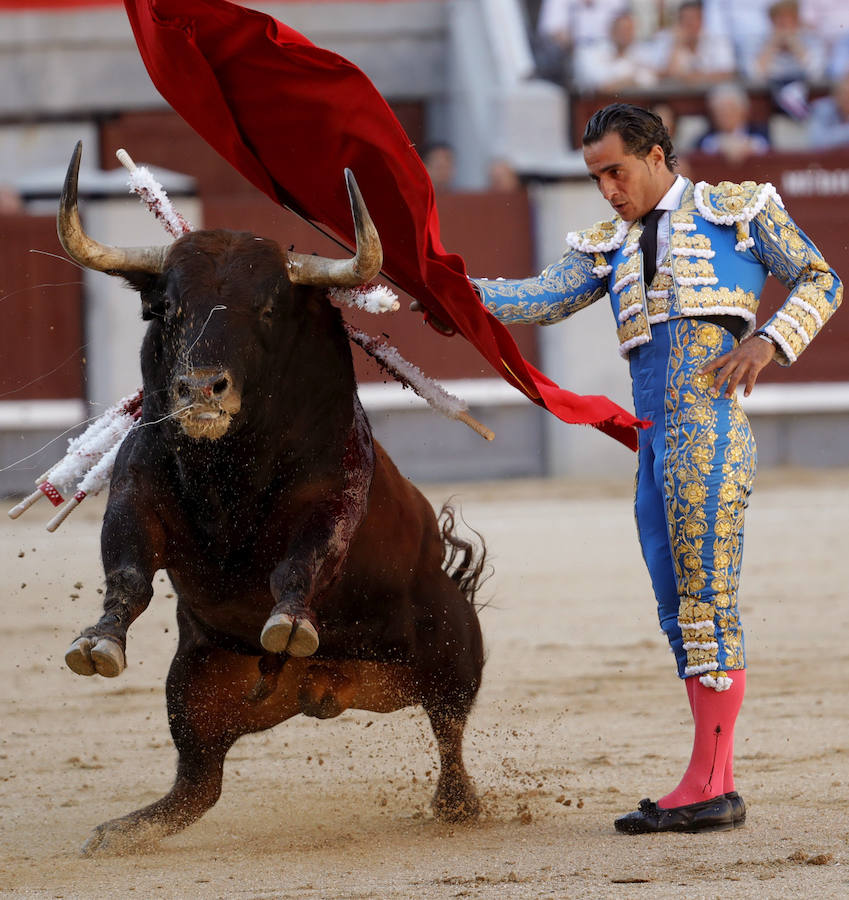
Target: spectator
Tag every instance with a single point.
(438, 159)
(10, 201)
(566, 24)
(731, 135)
(838, 60)
(828, 125)
(503, 177)
(829, 21)
(745, 24)
(689, 54)
(618, 61)
(790, 58)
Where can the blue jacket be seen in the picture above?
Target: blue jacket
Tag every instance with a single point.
(724, 241)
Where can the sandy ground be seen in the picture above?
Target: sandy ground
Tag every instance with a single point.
(579, 717)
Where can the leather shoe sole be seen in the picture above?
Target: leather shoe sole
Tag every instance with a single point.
(715, 814)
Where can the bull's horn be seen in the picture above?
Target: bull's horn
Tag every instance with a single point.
(306, 269)
(88, 252)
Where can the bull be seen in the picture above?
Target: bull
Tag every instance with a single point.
(310, 576)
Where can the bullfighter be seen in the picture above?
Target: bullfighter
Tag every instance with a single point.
(684, 265)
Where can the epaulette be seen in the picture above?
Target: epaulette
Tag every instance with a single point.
(600, 238)
(728, 203)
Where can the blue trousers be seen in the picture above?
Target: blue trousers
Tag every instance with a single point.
(695, 472)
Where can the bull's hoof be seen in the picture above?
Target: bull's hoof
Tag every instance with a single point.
(288, 634)
(96, 656)
(122, 836)
(456, 804)
(78, 657)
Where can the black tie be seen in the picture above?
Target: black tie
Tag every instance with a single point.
(648, 243)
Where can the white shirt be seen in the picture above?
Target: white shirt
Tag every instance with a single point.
(669, 201)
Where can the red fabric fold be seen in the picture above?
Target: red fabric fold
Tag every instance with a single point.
(290, 116)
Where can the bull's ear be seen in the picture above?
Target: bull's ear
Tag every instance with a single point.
(151, 289)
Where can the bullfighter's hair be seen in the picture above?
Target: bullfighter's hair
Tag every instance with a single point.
(639, 128)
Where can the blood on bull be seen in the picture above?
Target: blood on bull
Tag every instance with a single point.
(311, 577)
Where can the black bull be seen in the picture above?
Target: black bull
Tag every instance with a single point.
(311, 576)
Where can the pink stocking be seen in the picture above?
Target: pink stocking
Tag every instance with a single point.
(715, 713)
(728, 778)
(690, 684)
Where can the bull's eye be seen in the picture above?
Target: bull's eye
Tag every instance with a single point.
(267, 314)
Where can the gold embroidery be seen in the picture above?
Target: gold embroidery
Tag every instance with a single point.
(738, 470)
(599, 233)
(815, 295)
(543, 311)
(803, 317)
(690, 240)
(631, 266)
(691, 299)
(631, 296)
(692, 268)
(729, 198)
(795, 340)
(691, 452)
(657, 306)
(633, 327)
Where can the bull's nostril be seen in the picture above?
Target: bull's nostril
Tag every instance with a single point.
(220, 386)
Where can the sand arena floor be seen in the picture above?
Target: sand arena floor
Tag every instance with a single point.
(579, 717)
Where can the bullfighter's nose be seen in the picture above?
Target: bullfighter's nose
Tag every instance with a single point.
(204, 386)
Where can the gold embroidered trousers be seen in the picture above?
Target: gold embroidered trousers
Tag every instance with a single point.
(695, 472)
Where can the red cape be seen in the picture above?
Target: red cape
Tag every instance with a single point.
(290, 116)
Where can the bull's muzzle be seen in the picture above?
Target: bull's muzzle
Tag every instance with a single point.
(205, 401)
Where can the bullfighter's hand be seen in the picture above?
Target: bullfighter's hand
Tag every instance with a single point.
(741, 366)
(431, 319)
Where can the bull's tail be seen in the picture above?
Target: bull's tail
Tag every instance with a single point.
(465, 561)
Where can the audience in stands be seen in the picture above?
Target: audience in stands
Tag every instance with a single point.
(10, 201)
(838, 61)
(743, 22)
(791, 58)
(829, 21)
(618, 61)
(792, 49)
(565, 25)
(438, 159)
(828, 125)
(732, 135)
(502, 177)
(689, 54)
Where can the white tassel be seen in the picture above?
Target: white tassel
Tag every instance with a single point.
(151, 192)
(412, 376)
(374, 298)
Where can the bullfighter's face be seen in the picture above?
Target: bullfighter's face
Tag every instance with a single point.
(632, 185)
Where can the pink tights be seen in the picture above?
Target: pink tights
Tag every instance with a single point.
(711, 769)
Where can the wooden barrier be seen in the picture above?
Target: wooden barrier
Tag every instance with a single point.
(41, 321)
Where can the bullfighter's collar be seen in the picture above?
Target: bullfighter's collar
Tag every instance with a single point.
(726, 203)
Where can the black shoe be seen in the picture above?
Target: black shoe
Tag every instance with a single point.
(715, 814)
(738, 808)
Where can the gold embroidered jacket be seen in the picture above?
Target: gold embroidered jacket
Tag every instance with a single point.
(724, 241)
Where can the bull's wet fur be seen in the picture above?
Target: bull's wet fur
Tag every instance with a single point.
(254, 482)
